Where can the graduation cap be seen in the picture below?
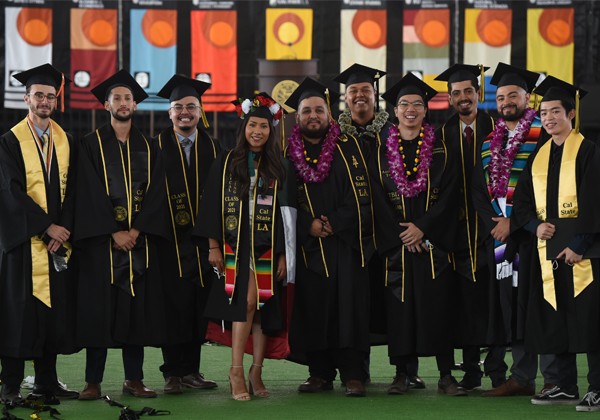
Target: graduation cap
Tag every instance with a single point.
(180, 86)
(409, 85)
(553, 89)
(260, 105)
(48, 75)
(120, 78)
(461, 72)
(506, 75)
(357, 73)
(309, 88)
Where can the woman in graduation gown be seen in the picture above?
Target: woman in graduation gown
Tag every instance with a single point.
(414, 193)
(242, 214)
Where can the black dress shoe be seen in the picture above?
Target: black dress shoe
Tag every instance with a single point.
(314, 384)
(355, 388)
(56, 390)
(470, 382)
(415, 382)
(10, 395)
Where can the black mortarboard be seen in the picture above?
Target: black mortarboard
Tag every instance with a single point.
(553, 89)
(506, 75)
(462, 72)
(180, 86)
(120, 78)
(307, 89)
(357, 73)
(409, 85)
(260, 105)
(46, 74)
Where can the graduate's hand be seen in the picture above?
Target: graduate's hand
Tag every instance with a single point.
(412, 235)
(570, 256)
(215, 258)
(53, 246)
(58, 233)
(502, 229)
(326, 226)
(418, 248)
(134, 233)
(545, 231)
(281, 268)
(317, 229)
(123, 240)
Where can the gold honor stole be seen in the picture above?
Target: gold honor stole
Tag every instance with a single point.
(35, 176)
(262, 233)
(567, 198)
(126, 187)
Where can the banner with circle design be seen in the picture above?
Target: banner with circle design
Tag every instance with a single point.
(93, 53)
(289, 34)
(28, 43)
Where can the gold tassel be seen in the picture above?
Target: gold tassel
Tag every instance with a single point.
(61, 93)
(535, 99)
(376, 83)
(203, 115)
(577, 111)
(328, 104)
(482, 86)
(282, 130)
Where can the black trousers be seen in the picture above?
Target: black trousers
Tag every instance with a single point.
(181, 359)
(405, 364)
(493, 365)
(350, 363)
(567, 371)
(13, 371)
(95, 361)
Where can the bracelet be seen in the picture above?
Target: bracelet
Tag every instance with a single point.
(213, 247)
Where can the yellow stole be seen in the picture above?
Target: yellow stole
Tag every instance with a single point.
(35, 176)
(567, 198)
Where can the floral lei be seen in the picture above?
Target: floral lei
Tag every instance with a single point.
(501, 164)
(345, 121)
(396, 164)
(296, 154)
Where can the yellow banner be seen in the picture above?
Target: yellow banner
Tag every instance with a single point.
(289, 34)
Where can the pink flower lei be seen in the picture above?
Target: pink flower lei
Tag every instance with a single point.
(501, 163)
(296, 154)
(396, 164)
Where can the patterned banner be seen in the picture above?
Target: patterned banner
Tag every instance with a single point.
(28, 43)
(214, 56)
(289, 34)
(488, 41)
(364, 40)
(426, 48)
(93, 53)
(550, 46)
(153, 52)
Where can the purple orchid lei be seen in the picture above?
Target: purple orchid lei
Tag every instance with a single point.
(501, 163)
(307, 173)
(396, 164)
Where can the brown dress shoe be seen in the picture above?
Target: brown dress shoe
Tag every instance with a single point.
(197, 381)
(399, 386)
(448, 385)
(314, 384)
(137, 389)
(509, 388)
(173, 385)
(90, 392)
(355, 388)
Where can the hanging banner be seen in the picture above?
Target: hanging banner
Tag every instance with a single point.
(93, 53)
(28, 43)
(488, 35)
(153, 52)
(364, 40)
(426, 37)
(550, 46)
(289, 34)
(214, 56)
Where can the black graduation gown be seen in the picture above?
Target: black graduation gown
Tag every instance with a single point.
(186, 296)
(209, 224)
(107, 315)
(419, 325)
(469, 294)
(330, 312)
(28, 328)
(574, 326)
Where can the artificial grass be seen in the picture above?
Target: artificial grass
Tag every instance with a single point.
(282, 379)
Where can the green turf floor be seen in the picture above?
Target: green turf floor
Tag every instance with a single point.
(282, 378)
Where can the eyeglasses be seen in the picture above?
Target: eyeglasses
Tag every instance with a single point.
(39, 96)
(189, 108)
(418, 105)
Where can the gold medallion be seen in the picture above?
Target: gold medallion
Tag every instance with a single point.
(120, 213)
(182, 218)
(282, 91)
(231, 223)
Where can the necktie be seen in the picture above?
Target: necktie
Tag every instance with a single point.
(45, 144)
(186, 145)
(468, 135)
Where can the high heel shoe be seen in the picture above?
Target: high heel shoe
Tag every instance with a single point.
(262, 393)
(242, 396)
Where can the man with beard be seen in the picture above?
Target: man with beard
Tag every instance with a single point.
(463, 133)
(363, 119)
(330, 319)
(187, 153)
(504, 154)
(120, 214)
(556, 201)
(37, 289)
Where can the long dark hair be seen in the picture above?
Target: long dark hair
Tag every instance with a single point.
(271, 167)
